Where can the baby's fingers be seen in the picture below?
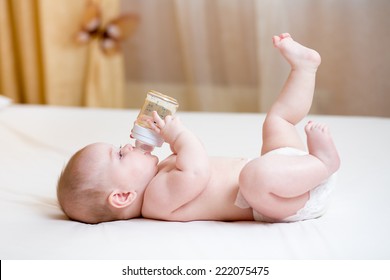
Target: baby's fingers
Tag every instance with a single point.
(157, 120)
(153, 126)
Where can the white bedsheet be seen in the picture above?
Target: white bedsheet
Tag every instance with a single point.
(36, 142)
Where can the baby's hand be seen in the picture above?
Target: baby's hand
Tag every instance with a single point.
(169, 129)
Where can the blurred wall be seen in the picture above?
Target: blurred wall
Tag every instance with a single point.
(218, 56)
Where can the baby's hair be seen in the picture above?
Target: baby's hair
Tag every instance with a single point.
(80, 194)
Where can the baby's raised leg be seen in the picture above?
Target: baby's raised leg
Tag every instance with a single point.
(295, 99)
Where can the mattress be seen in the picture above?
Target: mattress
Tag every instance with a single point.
(37, 141)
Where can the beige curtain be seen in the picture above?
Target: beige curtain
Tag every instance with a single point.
(213, 55)
(40, 62)
(217, 55)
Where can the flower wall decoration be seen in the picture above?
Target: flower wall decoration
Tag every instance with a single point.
(110, 35)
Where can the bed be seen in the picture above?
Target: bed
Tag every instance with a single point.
(36, 141)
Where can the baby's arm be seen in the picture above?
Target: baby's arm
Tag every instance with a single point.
(191, 155)
(192, 167)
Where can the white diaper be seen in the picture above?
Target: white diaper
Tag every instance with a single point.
(316, 205)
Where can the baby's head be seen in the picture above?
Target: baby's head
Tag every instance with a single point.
(103, 183)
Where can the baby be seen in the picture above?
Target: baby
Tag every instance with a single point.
(104, 183)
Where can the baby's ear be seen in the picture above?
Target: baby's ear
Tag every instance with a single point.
(120, 199)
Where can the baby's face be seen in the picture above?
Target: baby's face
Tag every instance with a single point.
(124, 166)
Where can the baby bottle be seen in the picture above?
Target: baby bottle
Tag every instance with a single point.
(145, 138)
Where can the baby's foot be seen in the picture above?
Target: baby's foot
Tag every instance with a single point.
(299, 57)
(321, 145)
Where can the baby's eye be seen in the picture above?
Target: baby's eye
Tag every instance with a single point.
(120, 152)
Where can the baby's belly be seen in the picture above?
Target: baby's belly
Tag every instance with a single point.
(216, 209)
(216, 202)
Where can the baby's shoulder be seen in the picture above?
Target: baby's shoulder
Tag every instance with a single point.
(167, 164)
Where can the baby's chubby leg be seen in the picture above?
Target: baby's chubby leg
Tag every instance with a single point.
(277, 186)
(295, 98)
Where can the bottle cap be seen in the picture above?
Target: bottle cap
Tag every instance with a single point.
(146, 136)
